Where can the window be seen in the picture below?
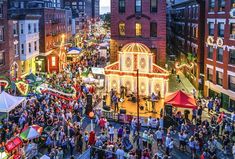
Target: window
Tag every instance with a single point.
(35, 27)
(211, 29)
(15, 32)
(21, 28)
(231, 83)
(1, 33)
(232, 31)
(232, 3)
(138, 29)
(209, 74)
(1, 10)
(221, 29)
(53, 61)
(35, 46)
(220, 54)
(122, 6)
(232, 57)
(210, 52)
(22, 66)
(21, 5)
(29, 47)
(153, 29)
(1, 58)
(29, 28)
(219, 78)
(122, 29)
(138, 8)
(22, 48)
(211, 5)
(153, 6)
(221, 4)
(16, 49)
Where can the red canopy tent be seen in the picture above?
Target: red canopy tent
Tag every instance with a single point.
(181, 99)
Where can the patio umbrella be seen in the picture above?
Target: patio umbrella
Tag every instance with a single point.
(45, 157)
(31, 132)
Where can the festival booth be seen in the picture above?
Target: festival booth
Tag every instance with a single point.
(103, 49)
(179, 100)
(98, 74)
(9, 102)
(12, 148)
(133, 56)
(73, 53)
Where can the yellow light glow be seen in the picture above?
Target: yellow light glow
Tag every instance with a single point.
(138, 29)
(63, 36)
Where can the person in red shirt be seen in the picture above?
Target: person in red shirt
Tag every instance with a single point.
(102, 123)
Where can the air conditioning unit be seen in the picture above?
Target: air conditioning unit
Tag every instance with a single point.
(232, 36)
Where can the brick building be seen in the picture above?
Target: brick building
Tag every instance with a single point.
(9, 48)
(54, 29)
(141, 21)
(219, 48)
(185, 37)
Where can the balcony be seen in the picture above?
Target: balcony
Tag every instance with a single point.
(232, 37)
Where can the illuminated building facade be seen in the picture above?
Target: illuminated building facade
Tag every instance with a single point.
(133, 56)
(219, 48)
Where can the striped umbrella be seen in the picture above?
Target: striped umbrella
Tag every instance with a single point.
(31, 132)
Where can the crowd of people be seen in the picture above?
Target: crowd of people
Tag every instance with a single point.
(65, 134)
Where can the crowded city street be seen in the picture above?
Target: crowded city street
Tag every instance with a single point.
(139, 81)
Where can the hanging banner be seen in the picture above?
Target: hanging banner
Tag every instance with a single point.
(22, 87)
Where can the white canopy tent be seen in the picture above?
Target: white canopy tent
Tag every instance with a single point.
(9, 102)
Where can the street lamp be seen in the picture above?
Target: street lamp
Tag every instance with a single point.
(138, 117)
(91, 116)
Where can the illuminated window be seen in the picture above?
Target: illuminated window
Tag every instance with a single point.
(1, 58)
(233, 3)
(138, 29)
(122, 29)
(53, 61)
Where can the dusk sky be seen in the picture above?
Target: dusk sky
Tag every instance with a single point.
(104, 6)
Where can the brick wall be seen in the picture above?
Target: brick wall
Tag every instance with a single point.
(157, 44)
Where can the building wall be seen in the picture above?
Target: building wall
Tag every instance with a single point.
(213, 63)
(157, 44)
(186, 36)
(9, 46)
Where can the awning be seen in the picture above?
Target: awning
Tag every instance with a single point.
(74, 51)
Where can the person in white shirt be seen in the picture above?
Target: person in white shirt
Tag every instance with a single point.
(145, 138)
(171, 146)
(159, 135)
(111, 132)
(149, 123)
(167, 143)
